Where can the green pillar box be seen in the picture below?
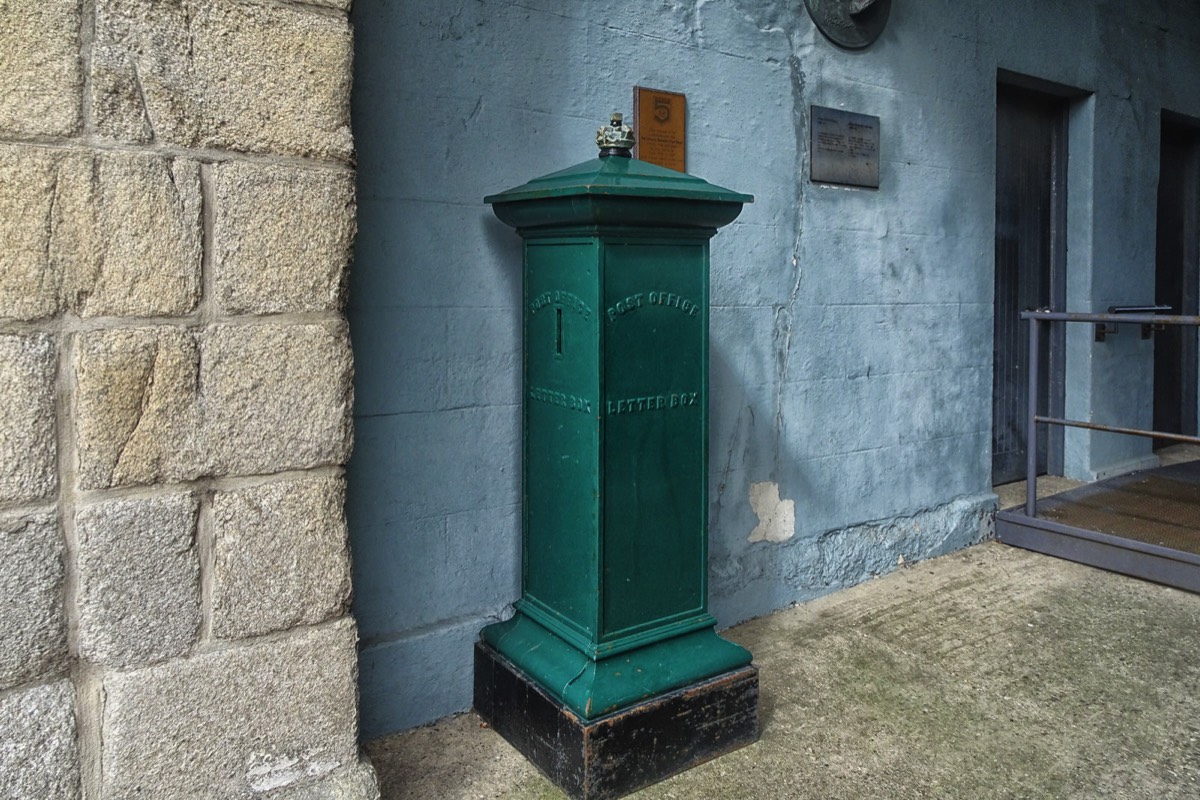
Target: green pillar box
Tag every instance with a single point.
(612, 631)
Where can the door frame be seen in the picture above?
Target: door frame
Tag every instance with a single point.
(1022, 85)
(1189, 129)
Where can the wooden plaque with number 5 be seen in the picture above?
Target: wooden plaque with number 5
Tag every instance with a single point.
(660, 127)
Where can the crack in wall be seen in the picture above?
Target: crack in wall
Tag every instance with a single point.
(141, 91)
(147, 382)
(785, 315)
(191, 36)
(49, 272)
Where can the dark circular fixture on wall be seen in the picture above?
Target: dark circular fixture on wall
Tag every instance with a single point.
(852, 24)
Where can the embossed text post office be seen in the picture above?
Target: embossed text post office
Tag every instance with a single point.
(612, 646)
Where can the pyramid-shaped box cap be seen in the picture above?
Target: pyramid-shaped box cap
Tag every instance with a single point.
(613, 190)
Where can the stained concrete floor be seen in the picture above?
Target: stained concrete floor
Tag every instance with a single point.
(989, 673)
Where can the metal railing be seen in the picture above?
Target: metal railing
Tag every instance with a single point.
(1115, 317)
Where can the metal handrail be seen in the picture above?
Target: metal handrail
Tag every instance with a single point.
(1037, 317)
(1137, 319)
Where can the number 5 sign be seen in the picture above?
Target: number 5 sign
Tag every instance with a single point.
(660, 127)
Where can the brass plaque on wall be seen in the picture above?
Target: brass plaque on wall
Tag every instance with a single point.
(845, 147)
(660, 127)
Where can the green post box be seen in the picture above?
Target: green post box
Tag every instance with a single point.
(613, 620)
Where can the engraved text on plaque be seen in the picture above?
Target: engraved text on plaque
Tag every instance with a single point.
(845, 147)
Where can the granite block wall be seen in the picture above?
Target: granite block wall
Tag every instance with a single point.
(177, 210)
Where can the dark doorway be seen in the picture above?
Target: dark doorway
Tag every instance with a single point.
(1175, 283)
(1031, 162)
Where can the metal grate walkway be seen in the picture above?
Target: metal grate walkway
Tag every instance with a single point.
(1144, 523)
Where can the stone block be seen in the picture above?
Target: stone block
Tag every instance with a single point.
(137, 415)
(40, 75)
(235, 722)
(237, 76)
(30, 281)
(282, 238)
(139, 579)
(38, 754)
(277, 397)
(114, 234)
(147, 234)
(33, 625)
(165, 404)
(27, 427)
(281, 558)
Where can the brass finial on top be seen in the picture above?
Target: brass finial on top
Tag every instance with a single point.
(615, 138)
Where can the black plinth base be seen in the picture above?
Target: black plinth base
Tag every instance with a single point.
(619, 753)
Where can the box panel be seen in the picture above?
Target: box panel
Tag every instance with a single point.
(655, 321)
(561, 470)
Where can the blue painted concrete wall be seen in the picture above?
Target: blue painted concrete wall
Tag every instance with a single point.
(851, 329)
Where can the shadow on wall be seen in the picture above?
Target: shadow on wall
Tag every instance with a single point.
(452, 101)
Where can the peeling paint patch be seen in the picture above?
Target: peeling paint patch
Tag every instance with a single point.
(265, 772)
(776, 518)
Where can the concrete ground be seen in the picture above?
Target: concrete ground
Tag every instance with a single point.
(989, 673)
